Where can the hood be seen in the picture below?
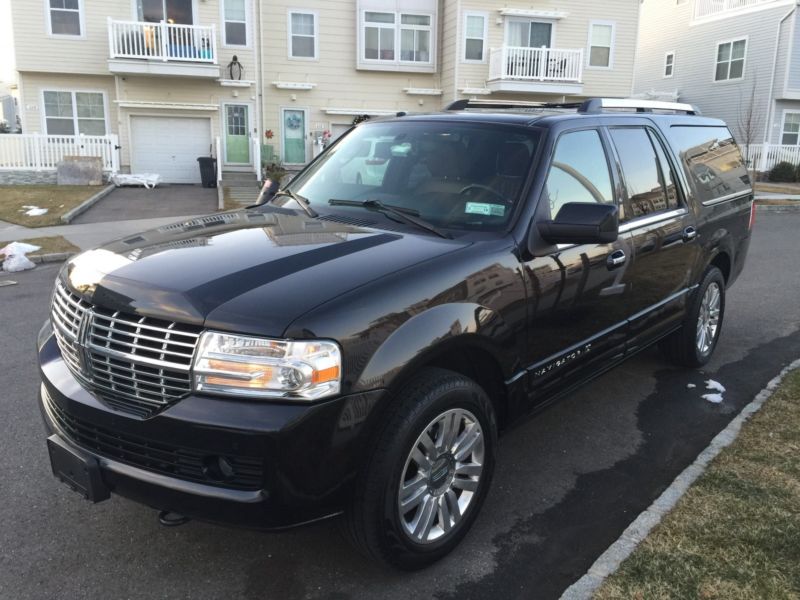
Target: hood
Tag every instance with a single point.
(250, 271)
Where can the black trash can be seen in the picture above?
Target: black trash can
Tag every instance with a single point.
(208, 171)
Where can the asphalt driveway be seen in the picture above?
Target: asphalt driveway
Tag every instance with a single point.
(568, 481)
(129, 203)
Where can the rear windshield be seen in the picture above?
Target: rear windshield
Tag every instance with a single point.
(712, 161)
(453, 175)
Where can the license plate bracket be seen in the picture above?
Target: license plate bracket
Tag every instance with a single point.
(79, 471)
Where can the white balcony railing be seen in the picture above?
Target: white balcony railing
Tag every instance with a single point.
(536, 64)
(37, 152)
(709, 8)
(162, 41)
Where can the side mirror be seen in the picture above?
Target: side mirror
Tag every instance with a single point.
(268, 191)
(579, 223)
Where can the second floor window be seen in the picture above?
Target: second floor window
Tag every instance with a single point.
(475, 37)
(386, 32)
(669, 64)
(601, 45)
(72, 113)
(171, 11)
(65, 17)
(235, 22)
(730, 60)
(302, 35)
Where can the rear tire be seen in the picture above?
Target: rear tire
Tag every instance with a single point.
(428, 472)
(694, 343)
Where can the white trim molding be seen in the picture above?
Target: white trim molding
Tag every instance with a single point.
(294, 85)
(382, 112)
(536, 14)
(412, 91)
(165, 105)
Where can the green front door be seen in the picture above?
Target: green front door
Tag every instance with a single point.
(294, 137)
(237, 140)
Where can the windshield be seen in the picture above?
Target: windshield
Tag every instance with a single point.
(452, 175)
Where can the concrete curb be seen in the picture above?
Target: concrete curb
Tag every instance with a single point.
(779, 208)
(87, 204)
(611, 559)
(51, 258)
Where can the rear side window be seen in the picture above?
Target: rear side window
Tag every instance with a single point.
(579, 171)
(712, 161)
(646, 172)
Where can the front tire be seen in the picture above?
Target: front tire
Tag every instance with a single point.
(428, 474)
(694, 343)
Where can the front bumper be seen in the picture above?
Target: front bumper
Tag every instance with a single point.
(299, 461)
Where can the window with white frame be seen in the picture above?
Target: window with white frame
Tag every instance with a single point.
(65, 17)
(601, 44)
(669, 64)
(730, 60)
(235, 26)
(303, 35)
(71, 113)
(397, 37)
(475, 25)
(791, 129)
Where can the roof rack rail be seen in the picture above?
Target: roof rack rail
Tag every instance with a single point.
(466, 103)
(598, 105)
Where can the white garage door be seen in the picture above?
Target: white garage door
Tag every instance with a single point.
(169, 146)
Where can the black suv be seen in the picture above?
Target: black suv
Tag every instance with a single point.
(355, 344)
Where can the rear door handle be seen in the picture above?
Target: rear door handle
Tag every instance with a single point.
(689, 234)
(616, 260)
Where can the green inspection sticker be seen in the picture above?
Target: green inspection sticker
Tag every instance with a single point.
(490, 210)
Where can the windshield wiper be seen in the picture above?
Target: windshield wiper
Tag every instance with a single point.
(300, 200)
(406, 214)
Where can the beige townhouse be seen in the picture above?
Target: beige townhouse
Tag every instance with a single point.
(155, 73)
(328, 62)
(251, 81)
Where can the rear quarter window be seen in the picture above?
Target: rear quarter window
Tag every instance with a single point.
(712, 161)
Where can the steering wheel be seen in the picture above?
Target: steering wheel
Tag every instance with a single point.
(485, 188)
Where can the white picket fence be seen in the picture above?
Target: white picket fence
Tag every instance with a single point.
(762, 157)
(38, 152)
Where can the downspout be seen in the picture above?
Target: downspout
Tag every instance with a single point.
(259, 92)
(636, 48)
(770, 94)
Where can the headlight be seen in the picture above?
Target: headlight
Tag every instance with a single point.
(263, 368)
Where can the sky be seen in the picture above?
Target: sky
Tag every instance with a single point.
(7, 72)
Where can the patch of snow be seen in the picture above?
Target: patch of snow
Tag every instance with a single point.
(691, 386)
(715, 398)
(715, 386)
(34, 211)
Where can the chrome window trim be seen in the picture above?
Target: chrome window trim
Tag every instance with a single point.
(728, 198)
(652, 219)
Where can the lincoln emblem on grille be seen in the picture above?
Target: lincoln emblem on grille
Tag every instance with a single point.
(82, 342)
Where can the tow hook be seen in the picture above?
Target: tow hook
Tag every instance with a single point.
(167, 518)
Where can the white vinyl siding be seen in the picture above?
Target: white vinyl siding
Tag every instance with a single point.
(303, 35)
(601, 44)
(730, 60)
(71, 113)
(790, 135)
(669, 64)
(475, 34)
(65, 17)
(235, 27)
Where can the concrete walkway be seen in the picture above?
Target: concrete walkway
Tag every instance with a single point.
(87, 235)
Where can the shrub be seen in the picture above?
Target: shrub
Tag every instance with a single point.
(783, 172)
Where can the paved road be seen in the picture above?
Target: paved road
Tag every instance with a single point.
(569, 480)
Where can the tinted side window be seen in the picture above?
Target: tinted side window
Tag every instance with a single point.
(641, 171)
(712, 161)
(579, 171)
(668, 178)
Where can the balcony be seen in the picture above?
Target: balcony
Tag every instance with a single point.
(710, 9)
(536, 70)
(138, 48)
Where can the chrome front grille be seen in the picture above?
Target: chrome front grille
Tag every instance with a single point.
(135, 364)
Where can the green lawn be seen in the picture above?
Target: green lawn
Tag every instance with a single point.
(736, 533)
(58, 200)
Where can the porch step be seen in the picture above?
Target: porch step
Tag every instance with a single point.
(238, 176)
(240, 187)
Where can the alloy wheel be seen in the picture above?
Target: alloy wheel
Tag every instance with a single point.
(708, 319)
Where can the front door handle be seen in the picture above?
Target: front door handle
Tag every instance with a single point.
(616, 260)
(689, 234)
